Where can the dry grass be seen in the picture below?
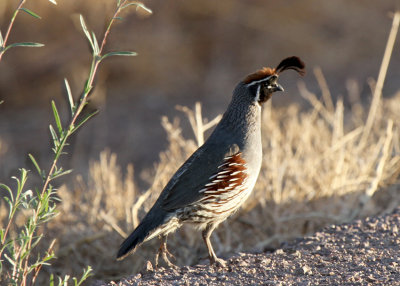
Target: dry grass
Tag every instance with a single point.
(315, 172)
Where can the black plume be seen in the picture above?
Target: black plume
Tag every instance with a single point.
(291, 63)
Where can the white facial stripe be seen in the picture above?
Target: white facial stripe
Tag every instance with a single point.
(258, 93)
(259, 81)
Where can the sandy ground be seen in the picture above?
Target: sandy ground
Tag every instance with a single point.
(364, 252)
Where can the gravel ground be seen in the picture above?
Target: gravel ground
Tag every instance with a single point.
(364, 252)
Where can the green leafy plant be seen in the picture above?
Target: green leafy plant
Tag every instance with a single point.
(3, 41)
(17, 249)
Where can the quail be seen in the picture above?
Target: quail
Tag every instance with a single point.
(220, 175)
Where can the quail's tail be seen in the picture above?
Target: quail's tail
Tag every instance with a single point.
(150, 226)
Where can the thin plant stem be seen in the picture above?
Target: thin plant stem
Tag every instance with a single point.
(117, 11)
(69, 130)
(37, 269)
(95, 64)
(21, 3)
(12, 215)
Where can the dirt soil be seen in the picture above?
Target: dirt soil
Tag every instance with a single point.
(364, 252)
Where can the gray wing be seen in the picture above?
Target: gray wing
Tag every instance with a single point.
(193, 175)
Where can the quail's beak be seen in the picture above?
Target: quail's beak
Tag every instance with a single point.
(278, 87)
(275, 87)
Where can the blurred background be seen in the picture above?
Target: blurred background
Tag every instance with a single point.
(314, 170)
(188, 51)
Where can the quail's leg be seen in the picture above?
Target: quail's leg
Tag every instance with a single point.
(214, 260)
(164, 252)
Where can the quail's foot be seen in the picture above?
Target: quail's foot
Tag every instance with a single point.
(217, 262)
(163, 251)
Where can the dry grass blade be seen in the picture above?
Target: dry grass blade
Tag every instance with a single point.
(376, 98)
(380, 169)
(318, 106)
(326, 94)
(196, 121)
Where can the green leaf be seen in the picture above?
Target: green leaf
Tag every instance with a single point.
(27, 44)
(87, 117)
(7, 188)
(51, 282)
(61, 173)
(86, 274)
(138, 5)
(54, 137)
(96, 44)
(30, 13)
(10, 260)
(36, 241)
(122, 53)
(21, 182)
(63, 281)
(56, 117)
(11, 206)
(70, 98)
(48, 256)
(35, 163)
(86, 31)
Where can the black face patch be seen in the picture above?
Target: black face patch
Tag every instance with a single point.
(267, 88)
(265, 93)
(263, 89)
